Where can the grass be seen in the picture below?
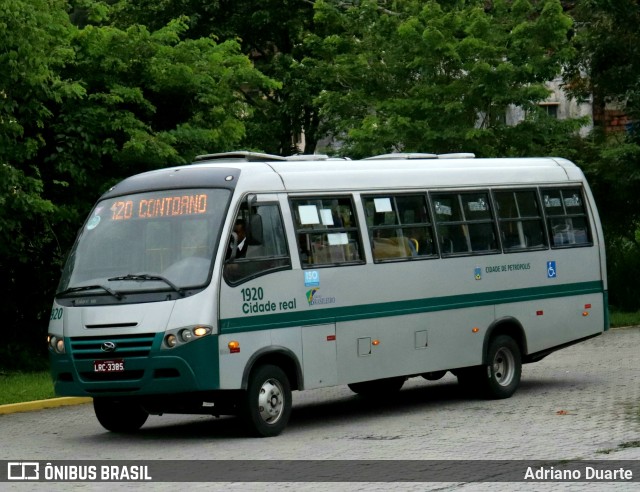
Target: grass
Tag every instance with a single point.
(19, 387)
(620, 318)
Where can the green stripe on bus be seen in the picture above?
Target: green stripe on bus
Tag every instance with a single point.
(399, 308)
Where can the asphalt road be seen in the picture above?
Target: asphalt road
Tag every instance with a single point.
(580, 403)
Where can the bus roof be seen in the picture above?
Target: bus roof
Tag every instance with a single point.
(247, 172)
(412, 173)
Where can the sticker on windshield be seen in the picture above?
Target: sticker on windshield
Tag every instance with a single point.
(93, 223)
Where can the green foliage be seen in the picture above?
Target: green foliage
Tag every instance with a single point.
(614, 169)
(608, 53)
(34, 40)
(621, 319)
(271, 33)
(82, 108)
(153, 99)
(623, 264)
(438, 77)
(606, 68)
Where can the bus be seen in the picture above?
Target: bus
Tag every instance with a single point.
(222, 286)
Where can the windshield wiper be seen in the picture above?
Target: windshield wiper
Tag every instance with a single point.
(142, 277)
(115, 294)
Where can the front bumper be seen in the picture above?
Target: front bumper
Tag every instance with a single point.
(148, 369)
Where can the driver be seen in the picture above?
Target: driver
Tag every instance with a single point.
(240, 232)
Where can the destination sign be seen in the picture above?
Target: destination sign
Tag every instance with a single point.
(149, 206)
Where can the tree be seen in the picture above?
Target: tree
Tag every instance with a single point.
(153, 99)
(34, 45)
(438, 76)
(82, 108)
(607, 43)
(271, 34)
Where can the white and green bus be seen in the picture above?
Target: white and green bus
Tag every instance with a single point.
(221, 287)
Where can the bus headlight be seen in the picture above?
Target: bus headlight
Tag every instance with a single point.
(180, 336)
(171, 340)
(56, 344)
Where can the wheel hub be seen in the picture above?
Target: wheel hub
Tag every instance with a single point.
(503, 367)
(271, 401)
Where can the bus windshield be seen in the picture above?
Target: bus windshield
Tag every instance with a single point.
(152, 241)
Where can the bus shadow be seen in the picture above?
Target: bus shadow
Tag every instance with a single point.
(339, 408)
(428, 397)
(356, 407)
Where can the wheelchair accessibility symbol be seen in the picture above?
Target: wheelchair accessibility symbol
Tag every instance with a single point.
(551, 269)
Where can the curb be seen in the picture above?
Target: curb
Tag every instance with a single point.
(31, 406)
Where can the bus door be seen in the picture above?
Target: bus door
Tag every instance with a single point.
(263, 302)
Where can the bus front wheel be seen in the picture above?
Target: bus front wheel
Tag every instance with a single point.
(119, 415)
(267, 401)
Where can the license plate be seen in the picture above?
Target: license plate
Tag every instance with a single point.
(108, 365)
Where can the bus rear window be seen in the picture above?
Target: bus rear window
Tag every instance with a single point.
(566, 217)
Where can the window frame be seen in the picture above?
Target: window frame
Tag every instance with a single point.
(294, 202)
(430, 225)
(540, 218)
(466, 222)
(585, 214)
(255, 259)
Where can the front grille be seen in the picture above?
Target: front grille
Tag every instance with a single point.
(90, 348)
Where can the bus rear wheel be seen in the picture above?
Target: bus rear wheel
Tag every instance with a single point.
(501, 376)
(119, 415)
(505, 368)
(267, 401)
(377, 387)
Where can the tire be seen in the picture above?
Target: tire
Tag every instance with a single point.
(377, 387)
(501, 377)
(504, 368)
(119, 415)
(267, 401)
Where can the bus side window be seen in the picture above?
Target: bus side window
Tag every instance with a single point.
(566, 217)
(520, 220)
(399, 227)
(265, 248)
(464, 223)
(326, 230)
